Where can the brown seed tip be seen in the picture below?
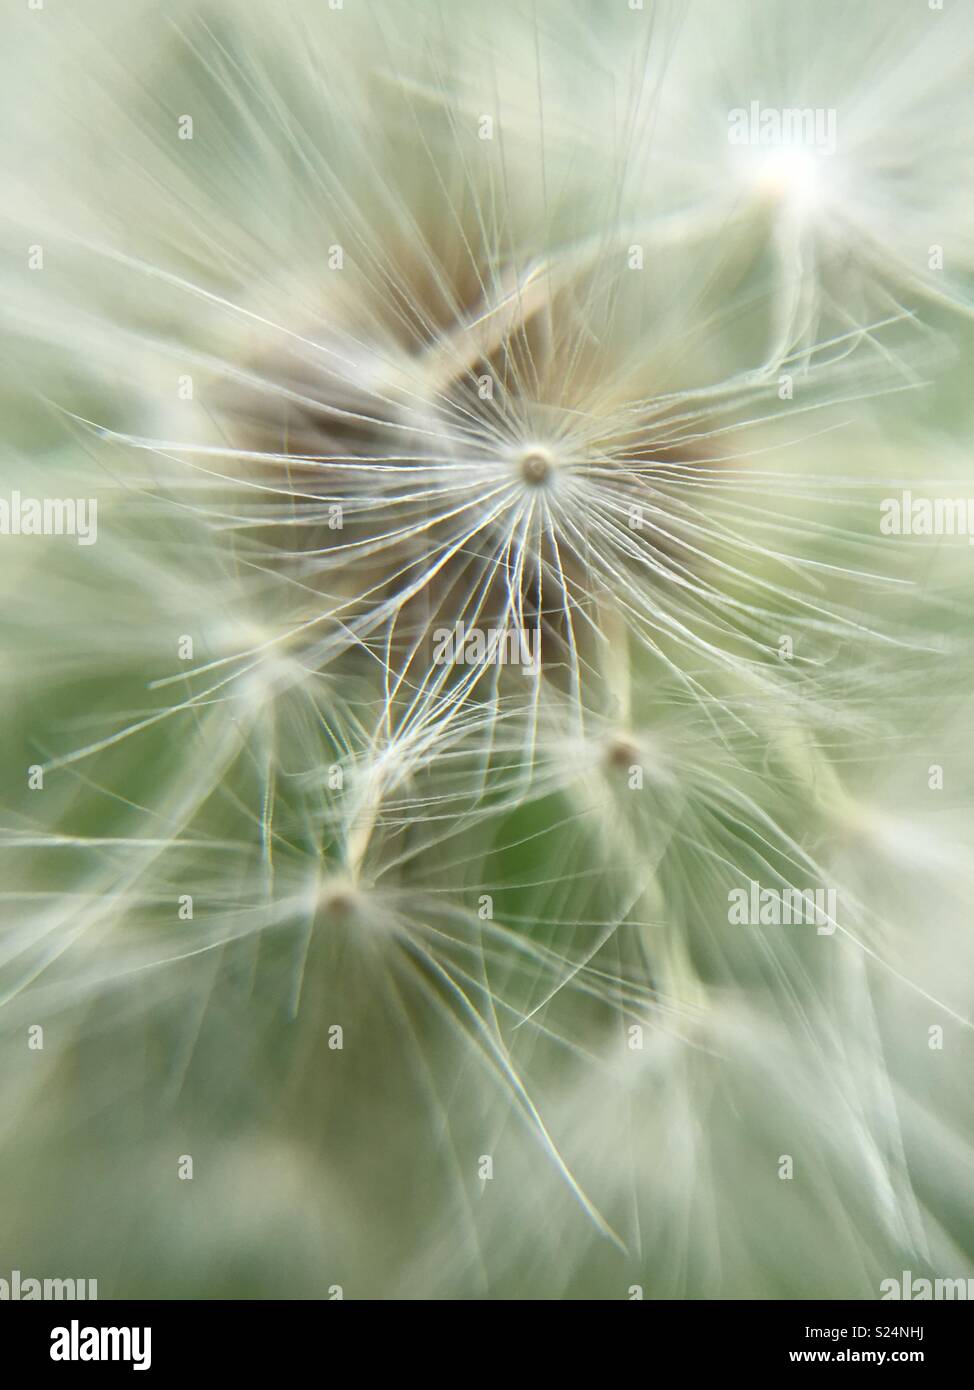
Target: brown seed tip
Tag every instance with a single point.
(535, 467)
(337, 904)
(622, 753)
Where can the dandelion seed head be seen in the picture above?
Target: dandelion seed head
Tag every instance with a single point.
(438, 380)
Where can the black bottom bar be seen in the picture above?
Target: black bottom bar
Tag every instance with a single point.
(166, 1339)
